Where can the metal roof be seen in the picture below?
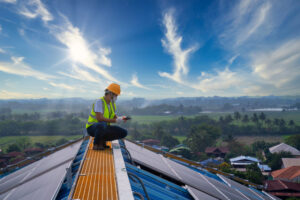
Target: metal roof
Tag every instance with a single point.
(282, 147)
(197, 183)
(239, 158)
(41, 179)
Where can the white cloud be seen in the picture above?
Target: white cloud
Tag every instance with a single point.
(9, 1)
(222, 80)
(82, 75)
(2, 50)
(18, 67)
(0, 28)
(103, 59)
(62, 85)
(80, 52)
(135, 82)
(280, 65)
(17, 95)
(172, 43)
(35, 8)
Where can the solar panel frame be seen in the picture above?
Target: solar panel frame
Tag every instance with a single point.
(198, 195)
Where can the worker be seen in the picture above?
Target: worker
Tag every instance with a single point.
(103, 113)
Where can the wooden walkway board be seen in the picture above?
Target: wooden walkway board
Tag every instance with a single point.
(97, 179)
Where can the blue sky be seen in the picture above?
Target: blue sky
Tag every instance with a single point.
(154, 49)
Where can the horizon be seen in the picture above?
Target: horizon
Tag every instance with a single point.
(153, 49)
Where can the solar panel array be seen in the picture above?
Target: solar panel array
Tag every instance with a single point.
(199, 184)
(41, 179)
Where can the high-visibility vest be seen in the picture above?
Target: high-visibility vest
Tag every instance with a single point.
(106, 113)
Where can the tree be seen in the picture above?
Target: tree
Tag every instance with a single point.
(245, 119)
(262, 116)
(268, 122)
(237, 116)
(169, 141)
(13, 147)
(254, 118)
(291, 123)
(202, 136)
(293, 140)
(254, 174)
(24, 143)
(228, 119)
(282, 124)
(158, 132)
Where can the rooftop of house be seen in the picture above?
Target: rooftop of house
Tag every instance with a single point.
(246, 158)
(287, 173)
(282, 147)
(215, 149)
(280, 185)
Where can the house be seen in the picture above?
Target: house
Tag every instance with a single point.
(282, 147)
(282, 189)
(216, 151)
(151, 142)
(265, 169)
(287, 174)
(288, 162)
(241, 162)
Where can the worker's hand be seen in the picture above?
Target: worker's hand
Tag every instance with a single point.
(120, 119)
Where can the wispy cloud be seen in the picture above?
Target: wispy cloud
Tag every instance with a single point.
(62, 85)
(172, 43)
(279, 65)
(4, 94)
(2, 50)
(18, 67)
(21, 31)
(135, 82)
(9, 1)
(35, 8)
(0, 28)
(81, 74)
(243, 22)
(222, 80)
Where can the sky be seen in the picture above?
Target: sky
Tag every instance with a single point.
(153, 49)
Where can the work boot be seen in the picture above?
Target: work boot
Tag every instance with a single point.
(106, 146)
(98, 147)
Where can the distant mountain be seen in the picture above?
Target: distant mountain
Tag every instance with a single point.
(206, 103)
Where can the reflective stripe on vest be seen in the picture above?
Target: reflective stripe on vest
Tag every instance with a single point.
(106, 113)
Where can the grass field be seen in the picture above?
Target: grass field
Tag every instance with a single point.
(5, 141)
(287, 116)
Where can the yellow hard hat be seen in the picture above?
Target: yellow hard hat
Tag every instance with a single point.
(115, 88)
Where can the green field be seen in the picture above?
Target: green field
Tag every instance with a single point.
(5, 141)
(287, 116)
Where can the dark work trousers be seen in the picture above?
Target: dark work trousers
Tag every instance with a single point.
(102, 132)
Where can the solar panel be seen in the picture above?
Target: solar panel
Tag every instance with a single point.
(198, 195)
(241, 188)
(149, 159)
(204, 183)
(41, 179)
(179, 172)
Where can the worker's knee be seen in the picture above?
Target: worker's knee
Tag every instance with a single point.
(123, 133)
